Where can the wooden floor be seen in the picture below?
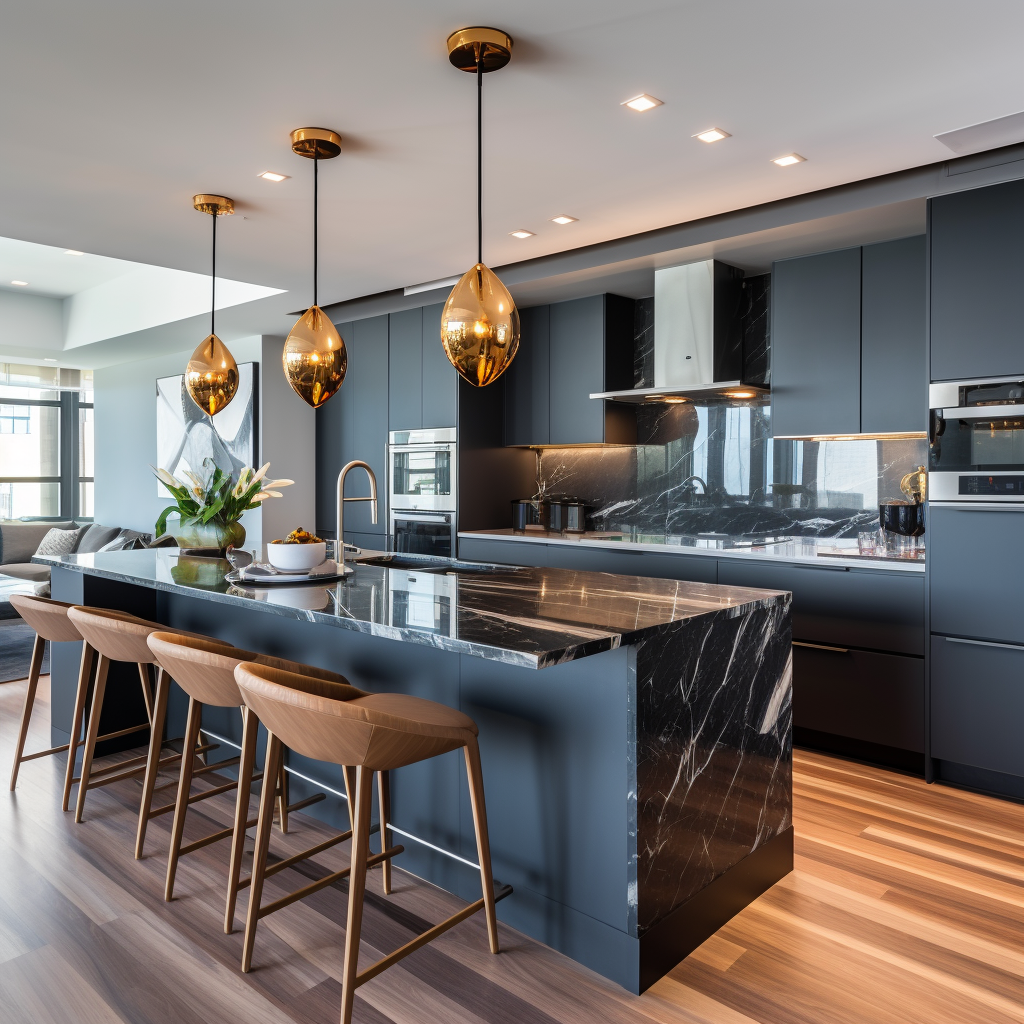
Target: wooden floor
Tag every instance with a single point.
(907, 905)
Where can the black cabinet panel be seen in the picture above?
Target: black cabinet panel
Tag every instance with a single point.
(816, 344)
(874, 698)
(405, 378)
(977, 256)
(882, 611)
(440, 378)
(331, 435)
(976, 575)
(977, 705)
(577, 370)
(527, 381)
(894, 344)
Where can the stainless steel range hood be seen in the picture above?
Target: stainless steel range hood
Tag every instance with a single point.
(698, 337)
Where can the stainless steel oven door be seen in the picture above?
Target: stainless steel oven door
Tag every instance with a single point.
(423, 533)
(422, 476)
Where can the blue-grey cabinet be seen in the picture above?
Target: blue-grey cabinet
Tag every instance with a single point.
(976, 240)
(422, 385)
(568, 351)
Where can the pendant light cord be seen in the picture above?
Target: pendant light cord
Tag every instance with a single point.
(213, 279)
(479, 156)
(316, 219)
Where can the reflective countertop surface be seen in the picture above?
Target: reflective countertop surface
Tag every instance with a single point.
(523, 616)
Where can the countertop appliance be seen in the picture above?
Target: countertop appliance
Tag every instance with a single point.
(422, 516)
(977, 440)
(557, 515)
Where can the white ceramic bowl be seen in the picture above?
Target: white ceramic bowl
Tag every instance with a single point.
(296, 557)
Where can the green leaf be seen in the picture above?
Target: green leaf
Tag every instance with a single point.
(161, 524)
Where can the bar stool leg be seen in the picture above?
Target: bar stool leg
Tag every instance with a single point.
(246, 767)
(147, 695)
(282, 799)
(195, 720)
(30, 699)
(350, 791)
(84, 676)
(156, 742)
(356, 889)
(259, 858)
(483, 846)
(98, 690)
(384, 796)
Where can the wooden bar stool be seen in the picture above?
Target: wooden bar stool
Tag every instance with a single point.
(379, 732)
(50, 621)
(119, 636)
(205, 670)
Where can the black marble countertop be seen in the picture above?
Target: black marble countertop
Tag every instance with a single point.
(804, 550)
(521, 616)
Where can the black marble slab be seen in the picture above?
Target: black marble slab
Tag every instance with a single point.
(530, 617)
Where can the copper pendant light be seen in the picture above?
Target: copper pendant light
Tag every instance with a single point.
(315, 359)
(480, 322)
(212, 374)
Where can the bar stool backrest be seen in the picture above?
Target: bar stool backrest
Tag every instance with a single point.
(378, 731)
(48, 618)
(117, 635)
(205, 668)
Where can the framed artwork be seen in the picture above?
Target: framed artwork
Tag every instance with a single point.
(185, 435)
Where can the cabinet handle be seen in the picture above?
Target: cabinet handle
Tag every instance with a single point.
(984, 643)
(823, 647)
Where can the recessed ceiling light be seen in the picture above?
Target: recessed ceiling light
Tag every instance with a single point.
(564, 220)
(273, 176)
(20, 284)
(522, 233)
(72, 252)
(789, 159)
(641, 102)
(49, 360)
(711, 135)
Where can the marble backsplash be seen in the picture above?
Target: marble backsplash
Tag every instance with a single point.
(715, 469)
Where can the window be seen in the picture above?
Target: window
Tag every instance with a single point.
(14, 419)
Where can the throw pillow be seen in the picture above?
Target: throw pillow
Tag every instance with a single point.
(58, 542)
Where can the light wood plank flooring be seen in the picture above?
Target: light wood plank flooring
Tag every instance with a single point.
(907, 905)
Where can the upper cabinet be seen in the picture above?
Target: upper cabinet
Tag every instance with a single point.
(567, 351)
(848, 341)
(422, 384)
(977, 253)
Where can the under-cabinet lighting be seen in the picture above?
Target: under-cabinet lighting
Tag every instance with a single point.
(642, 102)
(741, 394)
(272, 176)
(711, 135)
(563, 219)
(789, 159)
(522, 233)
(896, 435)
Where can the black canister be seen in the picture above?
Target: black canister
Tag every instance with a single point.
(529, 512)
(902, 517)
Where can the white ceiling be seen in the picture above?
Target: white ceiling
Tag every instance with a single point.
(115, 113)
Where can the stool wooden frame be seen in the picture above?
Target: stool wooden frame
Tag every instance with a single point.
(118, 636)
(204, 669)
(378, 732)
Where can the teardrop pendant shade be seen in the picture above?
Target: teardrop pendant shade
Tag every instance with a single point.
(212, 375)
(315, 358)
(480, 327)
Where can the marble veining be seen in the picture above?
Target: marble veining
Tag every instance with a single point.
(532, 617)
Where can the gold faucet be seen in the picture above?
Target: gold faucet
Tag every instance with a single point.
(341, 506)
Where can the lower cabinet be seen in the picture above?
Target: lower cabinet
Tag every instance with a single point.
(865, 696)
(977, 704)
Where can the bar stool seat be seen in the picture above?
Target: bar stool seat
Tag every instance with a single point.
(204, 669)
(378, 732)
(119, 636)
(50, 621)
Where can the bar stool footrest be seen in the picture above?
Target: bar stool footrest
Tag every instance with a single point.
(43, 753)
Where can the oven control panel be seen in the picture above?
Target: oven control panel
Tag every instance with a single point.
(982, 484)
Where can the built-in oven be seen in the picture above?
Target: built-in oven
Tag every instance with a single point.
(976, 451)
(421, 491)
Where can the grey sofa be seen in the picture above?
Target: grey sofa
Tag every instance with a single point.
(19, 540)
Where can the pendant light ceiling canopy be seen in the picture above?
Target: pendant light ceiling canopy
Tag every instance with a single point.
(212, 373)
(315, 359)
(480, 322)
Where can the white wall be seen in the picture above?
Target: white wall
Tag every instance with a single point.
(125, 397)
(30, 325)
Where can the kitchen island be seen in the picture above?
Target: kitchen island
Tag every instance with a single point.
(636, 734)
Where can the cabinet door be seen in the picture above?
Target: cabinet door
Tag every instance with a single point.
(882, 611)
(527, 381)
(976, 572)
(977, 704)
(405, 370)
(894, 343)
(440, 378)
(577, 370)
(816, 344)
(977, 256)
(874, 698)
